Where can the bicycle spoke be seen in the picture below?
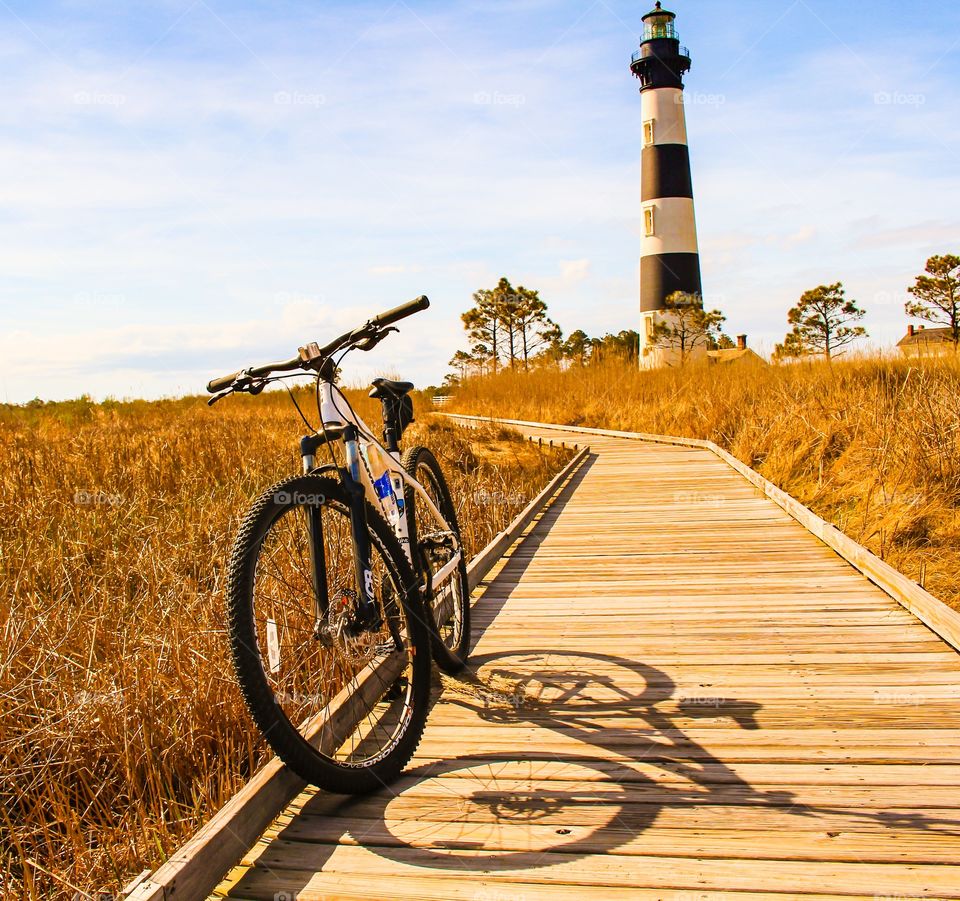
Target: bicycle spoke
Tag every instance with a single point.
(314, 664)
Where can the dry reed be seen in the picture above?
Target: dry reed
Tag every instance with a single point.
(121, 729)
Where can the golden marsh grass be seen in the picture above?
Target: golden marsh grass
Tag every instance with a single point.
(121, 728)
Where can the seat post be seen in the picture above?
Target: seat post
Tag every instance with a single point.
(389, 426)
(392, 396)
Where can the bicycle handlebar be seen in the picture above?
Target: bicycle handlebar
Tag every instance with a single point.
(352, 337)
(401, 312)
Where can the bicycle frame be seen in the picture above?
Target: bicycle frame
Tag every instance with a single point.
(343, 426)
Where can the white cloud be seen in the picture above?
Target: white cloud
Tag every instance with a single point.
(573, 271)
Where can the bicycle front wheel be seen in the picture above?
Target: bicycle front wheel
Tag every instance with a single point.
(433, 547)
(343, 708)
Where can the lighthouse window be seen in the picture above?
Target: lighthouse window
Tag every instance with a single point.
(648, 132)
(648, 223)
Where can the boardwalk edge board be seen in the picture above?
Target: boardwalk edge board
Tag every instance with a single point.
(931, 611)
(196, 868)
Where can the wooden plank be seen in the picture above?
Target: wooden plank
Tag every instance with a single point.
(936, 824)
(891, 846)
(923, 880)
(261, 885)
(510, 793)
(548, 769)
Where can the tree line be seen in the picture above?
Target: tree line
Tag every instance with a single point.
(509, 328)
(825, 320)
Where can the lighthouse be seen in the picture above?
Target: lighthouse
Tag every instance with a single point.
(669, 257)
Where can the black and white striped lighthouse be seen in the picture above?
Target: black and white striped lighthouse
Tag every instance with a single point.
(669, 257)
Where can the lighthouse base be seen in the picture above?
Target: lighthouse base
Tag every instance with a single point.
(657, 356)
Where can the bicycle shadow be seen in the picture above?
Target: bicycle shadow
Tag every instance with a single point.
(626, 758)
(505, 810)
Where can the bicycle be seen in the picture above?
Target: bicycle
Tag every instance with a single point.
(343, 579)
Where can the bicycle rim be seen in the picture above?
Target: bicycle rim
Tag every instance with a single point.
(349, 696)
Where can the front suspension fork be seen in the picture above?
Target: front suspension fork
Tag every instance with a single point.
(318, 560)
(368, 613)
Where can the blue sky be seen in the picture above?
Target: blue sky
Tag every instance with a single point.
(195, 185)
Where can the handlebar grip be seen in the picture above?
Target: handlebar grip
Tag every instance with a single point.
(225, 381)
(401, 312)
(280, 366)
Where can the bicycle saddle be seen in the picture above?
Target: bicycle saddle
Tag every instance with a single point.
(389, 388)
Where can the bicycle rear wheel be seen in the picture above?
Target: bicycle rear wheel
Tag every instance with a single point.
(344, 711)
(447, 603)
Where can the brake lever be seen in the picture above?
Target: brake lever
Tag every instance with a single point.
(219, 397)
(371, 342)
(245, 384)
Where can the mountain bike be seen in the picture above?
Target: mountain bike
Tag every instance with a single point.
(344, 578)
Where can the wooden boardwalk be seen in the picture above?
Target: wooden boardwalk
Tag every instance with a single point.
(677, 692)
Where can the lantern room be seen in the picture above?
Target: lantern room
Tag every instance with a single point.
(658, 24)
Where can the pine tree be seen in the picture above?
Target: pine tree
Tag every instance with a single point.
(823, 323)
(687, 326)
(938, 294)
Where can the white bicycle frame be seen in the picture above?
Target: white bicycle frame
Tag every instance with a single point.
(335, 414)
